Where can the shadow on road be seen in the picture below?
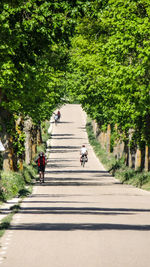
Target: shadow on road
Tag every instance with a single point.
(65, 147)
(79, 171)
(80, 226)
(73, 138)
(82, 210)
(76, 184)
(65, 136)
(62, 135)
(63, 150)
(63, 122)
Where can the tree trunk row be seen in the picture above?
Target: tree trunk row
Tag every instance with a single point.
(134, 156)
(11, 161)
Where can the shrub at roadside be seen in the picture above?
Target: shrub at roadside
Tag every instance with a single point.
(10, 184)
(14, 184)
(29, 173)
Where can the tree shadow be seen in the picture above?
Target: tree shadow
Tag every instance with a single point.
(65, 147)
(63, 122)
(53, 202)
(63, 138)
(61, 160)
(69, 179)
(83, 128)
(82, 210)
(80, 226)
(70, 184)
(81, 171)
(63, 151)
(56, 195)
(58, 166)
(62, 135)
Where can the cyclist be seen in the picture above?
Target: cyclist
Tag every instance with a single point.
(83, 152)
(55, 118)
(41, 161)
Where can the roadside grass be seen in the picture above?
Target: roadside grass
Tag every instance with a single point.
(106, 159)
(117, 168)
(5, 223)
(14, 184)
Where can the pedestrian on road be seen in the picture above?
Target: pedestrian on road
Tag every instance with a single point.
(58, 114)
(41, 161)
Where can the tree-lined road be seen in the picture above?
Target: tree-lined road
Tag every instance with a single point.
(80, 217)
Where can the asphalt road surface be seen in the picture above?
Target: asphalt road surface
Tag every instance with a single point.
(80, 217)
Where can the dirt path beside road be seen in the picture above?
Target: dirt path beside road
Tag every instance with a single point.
(80, 217)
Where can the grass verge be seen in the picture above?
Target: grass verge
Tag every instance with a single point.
(117, 167)
(5, 223)
(19, 184)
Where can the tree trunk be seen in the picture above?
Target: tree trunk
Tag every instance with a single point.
(39, 135)
(108, 138)
(28, 143)
(34, 141)
(147, 158)
(138, 159)
(8, 154)
(6, 139)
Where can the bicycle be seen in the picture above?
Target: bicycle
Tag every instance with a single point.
(83, 160)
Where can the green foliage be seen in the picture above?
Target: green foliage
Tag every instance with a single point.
(92, 52)
(1, 161)
(5, 223)
(118, 164)
(29, 173)
(124, 174)
(135, 178)
(35, 39)
(41, 148)
(13, 183)
(18, 143)
(109, 65)
(10, 184)
(45, 135)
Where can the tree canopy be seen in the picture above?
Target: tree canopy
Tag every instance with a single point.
(34, 47)
(96, 51)
(110, 65)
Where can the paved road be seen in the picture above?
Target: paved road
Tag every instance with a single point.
(79, 217)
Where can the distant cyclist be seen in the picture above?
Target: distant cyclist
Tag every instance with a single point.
(55, 118)
(58, 114)
(41, 161)
(83, 152)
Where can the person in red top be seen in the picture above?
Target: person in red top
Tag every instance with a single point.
(41, 161)
(58, 114)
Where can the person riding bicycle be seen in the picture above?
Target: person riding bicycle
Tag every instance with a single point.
(41, 161)
(83, 152)
(55, 117)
